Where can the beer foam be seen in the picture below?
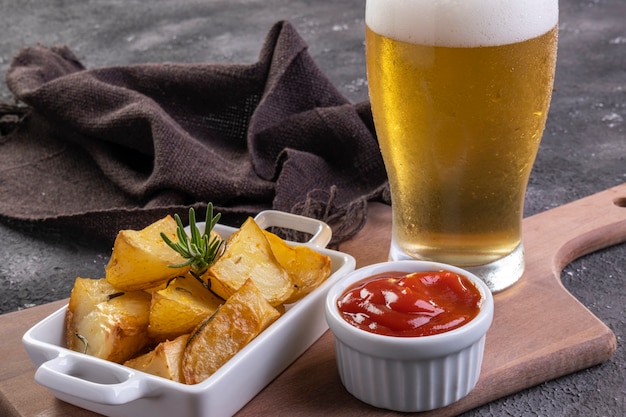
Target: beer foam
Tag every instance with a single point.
(461, 23)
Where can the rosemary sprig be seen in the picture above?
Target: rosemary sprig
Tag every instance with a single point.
(200, 249)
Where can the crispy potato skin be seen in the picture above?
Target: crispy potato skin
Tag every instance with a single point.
(141, 259)
(244, 315)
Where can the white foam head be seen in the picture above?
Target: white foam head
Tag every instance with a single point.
(461, 23)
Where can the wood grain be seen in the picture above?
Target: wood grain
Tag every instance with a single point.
(540, 331)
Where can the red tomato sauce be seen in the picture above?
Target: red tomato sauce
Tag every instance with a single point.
(408, 305)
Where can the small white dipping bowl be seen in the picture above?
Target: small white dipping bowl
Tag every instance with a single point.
(408, 374)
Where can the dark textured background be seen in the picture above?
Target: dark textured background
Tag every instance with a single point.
(583, 150)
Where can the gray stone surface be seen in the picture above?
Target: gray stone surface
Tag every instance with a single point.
(583, 150)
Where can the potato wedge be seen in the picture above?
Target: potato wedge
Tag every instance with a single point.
(141, 259)
(248, 255)
(164, 361)
(180, 307)
(244, 315)
(307, 268)
(102, 322)
(87, 293)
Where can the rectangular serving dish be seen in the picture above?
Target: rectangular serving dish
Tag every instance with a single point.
(116, 390)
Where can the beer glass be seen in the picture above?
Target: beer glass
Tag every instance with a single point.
(460, 91)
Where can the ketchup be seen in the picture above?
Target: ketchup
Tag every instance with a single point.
(408, 305)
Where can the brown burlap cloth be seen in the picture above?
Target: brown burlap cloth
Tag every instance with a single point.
(99, 150)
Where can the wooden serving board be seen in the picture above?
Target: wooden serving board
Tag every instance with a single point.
(540, 332)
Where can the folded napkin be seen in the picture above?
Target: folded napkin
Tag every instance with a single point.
(99, 150)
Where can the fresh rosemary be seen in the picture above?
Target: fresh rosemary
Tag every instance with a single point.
(200, 249)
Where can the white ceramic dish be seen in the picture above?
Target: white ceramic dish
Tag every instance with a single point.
(409, 374)
(115, 390)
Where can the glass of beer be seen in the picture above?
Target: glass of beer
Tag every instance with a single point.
(460, 92)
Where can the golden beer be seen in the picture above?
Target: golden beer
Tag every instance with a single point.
(459, 127)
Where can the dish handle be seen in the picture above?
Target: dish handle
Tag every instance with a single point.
(90, 380)
(273, 218)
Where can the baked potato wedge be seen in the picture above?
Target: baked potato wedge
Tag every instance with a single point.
(244, 315)
(141, 259)
(307, 268)
(105, 323)
(180, 307)
(248, 255)
(165, 360)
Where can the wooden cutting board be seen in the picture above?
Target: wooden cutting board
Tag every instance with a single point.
(540, 332)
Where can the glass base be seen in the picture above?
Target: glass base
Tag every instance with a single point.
(498, 275)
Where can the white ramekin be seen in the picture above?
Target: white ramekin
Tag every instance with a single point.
(408, 374)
